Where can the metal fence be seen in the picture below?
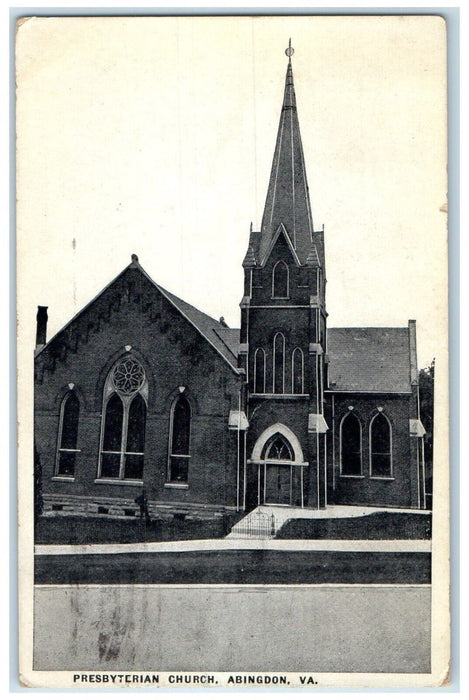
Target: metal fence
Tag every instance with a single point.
(258, 525)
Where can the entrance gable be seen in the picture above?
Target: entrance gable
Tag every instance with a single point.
(286, 433)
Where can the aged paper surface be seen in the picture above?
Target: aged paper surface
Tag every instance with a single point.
(155, 137)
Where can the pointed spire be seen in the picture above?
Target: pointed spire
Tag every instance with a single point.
(289, 100)
(287, 198)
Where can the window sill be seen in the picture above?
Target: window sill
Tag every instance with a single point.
(383, 478)
(175, 485)
(63, 477)
(279, 396)
(120, 482)
(352, 476)
(273, 462)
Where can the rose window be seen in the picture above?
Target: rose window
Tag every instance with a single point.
(128, 376)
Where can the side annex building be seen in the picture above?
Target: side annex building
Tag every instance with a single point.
(142, 391)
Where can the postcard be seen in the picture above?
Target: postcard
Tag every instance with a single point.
(232, 352)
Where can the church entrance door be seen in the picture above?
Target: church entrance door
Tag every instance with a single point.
(278, 484)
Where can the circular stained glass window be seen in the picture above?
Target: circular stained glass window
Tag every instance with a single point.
(128, 376)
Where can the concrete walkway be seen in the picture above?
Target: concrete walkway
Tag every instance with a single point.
(233, 544)
(340, 511)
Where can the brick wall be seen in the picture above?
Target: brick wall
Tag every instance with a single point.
(173, 355)
(368, 490)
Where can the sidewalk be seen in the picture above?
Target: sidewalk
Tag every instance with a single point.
(239, 544)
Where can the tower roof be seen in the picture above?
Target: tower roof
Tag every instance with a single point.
(287, 199)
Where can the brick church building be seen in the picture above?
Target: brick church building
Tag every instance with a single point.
(142, 391)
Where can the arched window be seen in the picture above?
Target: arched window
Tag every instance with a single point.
(180, 433)
(297, 372)
(68, 436)
(135, 438)
(350, 446)
(279, 364)
(280, 281)
(277, 449)
(124, 422)
(259, 371)
(112, 439)
(380, 446)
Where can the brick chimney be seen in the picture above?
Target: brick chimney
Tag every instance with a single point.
(41, 326)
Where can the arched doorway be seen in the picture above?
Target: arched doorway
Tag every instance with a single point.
(278, 459)
(275, 470)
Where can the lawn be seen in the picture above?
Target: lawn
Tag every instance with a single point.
(377, 526)
(72, 529)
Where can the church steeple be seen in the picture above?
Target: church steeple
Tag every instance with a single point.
(287, 199)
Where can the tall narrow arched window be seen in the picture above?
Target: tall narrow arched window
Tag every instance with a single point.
(380, 446)
(350, 446)
(112, 439)
(280, 281)
(68, 436)
(279, 364)
(259, 371)
(135, 438)
(124, 421)
(297, 371)
(180, 433)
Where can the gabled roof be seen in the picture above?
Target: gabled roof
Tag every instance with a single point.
(215, 333)
(369, 359)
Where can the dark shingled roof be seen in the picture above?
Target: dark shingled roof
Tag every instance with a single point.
(369, 359)
(217, 334)
(230, 337)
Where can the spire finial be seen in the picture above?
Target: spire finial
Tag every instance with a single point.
(287, 200)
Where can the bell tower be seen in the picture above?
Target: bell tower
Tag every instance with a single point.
(283, 325)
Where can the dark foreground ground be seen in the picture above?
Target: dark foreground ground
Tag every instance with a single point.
(377, 526)
(235, 567)
(72, 529)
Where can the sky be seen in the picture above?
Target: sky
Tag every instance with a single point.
(155, 136)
